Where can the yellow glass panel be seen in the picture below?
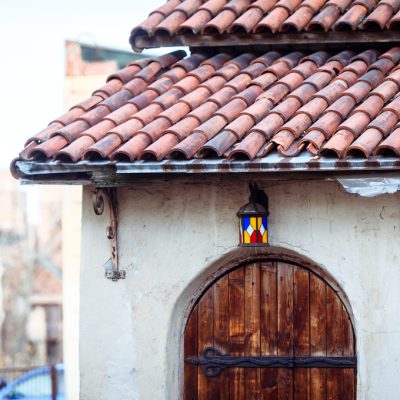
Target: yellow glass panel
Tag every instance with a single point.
(246, 237)
(253, 223)
(265, 237)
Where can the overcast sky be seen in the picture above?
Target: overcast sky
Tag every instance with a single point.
(32, 36)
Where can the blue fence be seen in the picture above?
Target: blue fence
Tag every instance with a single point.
(28, 383)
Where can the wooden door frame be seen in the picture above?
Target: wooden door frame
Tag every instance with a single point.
(240, 257)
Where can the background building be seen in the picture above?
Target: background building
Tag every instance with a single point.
(40, 245)
(31, 284)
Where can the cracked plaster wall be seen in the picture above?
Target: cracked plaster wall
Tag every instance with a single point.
(171, 236)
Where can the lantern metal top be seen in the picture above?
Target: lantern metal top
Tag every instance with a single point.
(257, 205)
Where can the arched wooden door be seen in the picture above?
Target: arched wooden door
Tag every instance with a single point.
(257, 322)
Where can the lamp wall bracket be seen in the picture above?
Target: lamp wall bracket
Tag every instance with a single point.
(100, 198)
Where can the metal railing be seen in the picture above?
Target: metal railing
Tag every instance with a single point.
(44, 382)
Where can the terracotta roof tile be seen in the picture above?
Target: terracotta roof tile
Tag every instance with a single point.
(184, 127)
(337, 145)
(393, 53)
(352, 18)
(111, 87)
(235, 107)
(249, 19)
(98, 131)
(229, 13)
(371, 106)
(231, 110)
(154, 129)
(326, 124)
(239, 82)
(72, 131)
(217, 146)
(205, 111)
(365, 144)
(356, 124)
(87, 104)
(48, 149)
(381, 15)
(76, 150)
(44, 134)
(268, 16)
(132, 149)
(394, 22)
(314, 108)
(69, 116)
(159, 149)
(391, 145)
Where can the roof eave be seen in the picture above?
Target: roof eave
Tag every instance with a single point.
(309, 40)
(107, 173)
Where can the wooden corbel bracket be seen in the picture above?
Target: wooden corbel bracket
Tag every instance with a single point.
(100, 197)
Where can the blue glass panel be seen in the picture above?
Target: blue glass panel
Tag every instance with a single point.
(264, 222)
(246, 222)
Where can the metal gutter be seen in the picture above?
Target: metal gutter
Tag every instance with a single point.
(109, 173)
(272, 163)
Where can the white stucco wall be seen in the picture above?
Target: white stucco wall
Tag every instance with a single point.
(71, 225)
(171, 235)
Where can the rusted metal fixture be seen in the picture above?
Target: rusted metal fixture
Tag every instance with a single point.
(214, 361)
(100, 197)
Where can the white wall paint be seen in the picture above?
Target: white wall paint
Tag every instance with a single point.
(71, 221)
(171, 233)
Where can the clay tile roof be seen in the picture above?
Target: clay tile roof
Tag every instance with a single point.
(340, 105)
(218, 17)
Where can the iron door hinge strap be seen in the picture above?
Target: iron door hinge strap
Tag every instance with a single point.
(213, 361)
(100, 197)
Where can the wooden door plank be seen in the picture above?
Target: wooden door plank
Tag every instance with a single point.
(334, 339)
(236, 331)
(334, 336)
(317, 316)
(285, 328)
(252, 329)
(301, 331)
(301, 383)
(221, 334)
(349, 384)
(334, 379)
(317, 336)
(269, 329)
(301, 313)
(317, 383)
(348, 335)
(205, 339)
(190, 350)
(349, 379)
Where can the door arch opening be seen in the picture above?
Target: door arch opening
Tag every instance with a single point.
(270, 329)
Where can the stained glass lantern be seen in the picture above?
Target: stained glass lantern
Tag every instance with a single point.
(253, 219)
